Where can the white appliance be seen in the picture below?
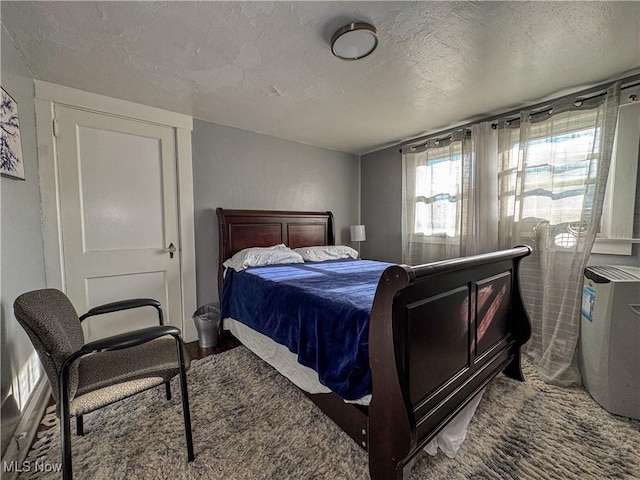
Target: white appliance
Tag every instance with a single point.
(609, 353)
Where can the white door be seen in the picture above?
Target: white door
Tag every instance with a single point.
(118, 208)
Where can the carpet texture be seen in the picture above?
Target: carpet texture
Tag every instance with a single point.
(251, 423)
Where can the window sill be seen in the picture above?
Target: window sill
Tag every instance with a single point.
(435, 239)
(614, 246)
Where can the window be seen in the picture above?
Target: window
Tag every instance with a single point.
(566, 153)
(438, 192)
(558, 180)
(557, 176)
(436, 186)
(560, 177)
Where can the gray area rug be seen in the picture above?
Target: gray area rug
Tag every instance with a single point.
(251, 423)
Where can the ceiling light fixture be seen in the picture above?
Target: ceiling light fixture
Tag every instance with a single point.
(354, 41)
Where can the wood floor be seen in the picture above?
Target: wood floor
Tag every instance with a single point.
(226, 342)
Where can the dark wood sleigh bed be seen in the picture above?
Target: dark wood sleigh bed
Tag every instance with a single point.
(439, 333)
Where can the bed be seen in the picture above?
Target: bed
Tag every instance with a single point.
(424, 371)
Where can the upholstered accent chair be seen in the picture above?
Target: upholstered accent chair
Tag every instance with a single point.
(88, 376)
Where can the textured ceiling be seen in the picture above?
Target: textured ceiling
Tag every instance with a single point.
(267, 66)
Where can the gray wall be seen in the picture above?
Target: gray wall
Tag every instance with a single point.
(235, 168)
(381, 187)
(22, 257)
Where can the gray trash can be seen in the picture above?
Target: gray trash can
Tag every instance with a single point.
(207, 321)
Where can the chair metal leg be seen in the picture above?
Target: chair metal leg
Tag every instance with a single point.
(65, 440)
(79, 426)
(187, 416)
(185, 402)
(167, 387)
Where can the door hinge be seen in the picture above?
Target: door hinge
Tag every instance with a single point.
(55, 128)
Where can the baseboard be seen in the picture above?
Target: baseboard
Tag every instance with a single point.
(26, 430)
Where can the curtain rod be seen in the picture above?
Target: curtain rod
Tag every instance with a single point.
(587, 94)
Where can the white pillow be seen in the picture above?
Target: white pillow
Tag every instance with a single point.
(261, 256)
(326, 252)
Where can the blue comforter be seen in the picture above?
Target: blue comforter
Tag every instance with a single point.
(320, 311)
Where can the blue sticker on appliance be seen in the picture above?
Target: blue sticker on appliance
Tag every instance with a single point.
(588, 301)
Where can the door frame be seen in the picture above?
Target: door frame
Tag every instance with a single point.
(47, 96)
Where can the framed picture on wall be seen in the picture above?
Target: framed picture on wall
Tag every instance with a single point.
(11, 162)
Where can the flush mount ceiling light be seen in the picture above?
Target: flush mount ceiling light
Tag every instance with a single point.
(354, 41)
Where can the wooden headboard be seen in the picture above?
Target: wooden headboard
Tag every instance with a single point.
(239, 229)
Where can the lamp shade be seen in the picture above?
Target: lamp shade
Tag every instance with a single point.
(357, 233)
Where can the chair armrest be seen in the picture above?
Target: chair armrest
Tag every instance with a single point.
(124, 305)
(129, 339)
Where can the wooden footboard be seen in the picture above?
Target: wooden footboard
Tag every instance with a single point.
(439, 333)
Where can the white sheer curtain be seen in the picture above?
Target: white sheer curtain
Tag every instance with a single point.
(450, 196)
(538, 179)
(552, 182)
(482, 215)
(435, 176)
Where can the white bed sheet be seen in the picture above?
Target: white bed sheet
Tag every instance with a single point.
(286, 363)
(281, 358)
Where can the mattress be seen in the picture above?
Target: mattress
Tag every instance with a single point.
(283, 360)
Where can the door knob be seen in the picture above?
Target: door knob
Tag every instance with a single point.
(172, 250)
